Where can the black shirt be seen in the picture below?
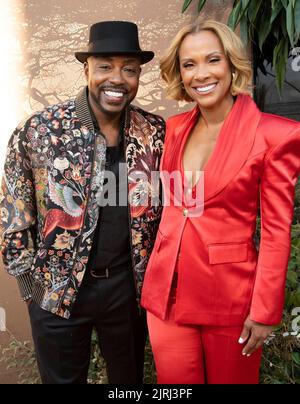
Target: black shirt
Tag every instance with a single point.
(111, 243)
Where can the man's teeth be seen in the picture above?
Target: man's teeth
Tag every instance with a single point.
(113, 94)
(207, 88)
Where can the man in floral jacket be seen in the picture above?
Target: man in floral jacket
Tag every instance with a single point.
(79, 261)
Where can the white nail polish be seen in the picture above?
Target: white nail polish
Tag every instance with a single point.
(241, 340)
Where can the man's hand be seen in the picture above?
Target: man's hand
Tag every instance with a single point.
(255, 334)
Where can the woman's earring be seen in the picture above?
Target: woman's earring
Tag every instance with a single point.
(233, 76)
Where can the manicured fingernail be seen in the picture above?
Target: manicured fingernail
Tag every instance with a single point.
(241, 340)
(248, 355)
(244, 353)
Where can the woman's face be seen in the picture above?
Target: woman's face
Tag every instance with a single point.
(205, 70)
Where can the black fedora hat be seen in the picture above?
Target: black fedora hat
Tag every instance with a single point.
(114, 38)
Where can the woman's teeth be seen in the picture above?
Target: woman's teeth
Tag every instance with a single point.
(206, 88)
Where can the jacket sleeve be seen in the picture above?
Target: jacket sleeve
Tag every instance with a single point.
(281, 170)
(18, 214)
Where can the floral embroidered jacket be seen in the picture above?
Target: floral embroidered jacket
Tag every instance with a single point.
(53, 178)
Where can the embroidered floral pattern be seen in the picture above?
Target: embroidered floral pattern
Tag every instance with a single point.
(53, 178)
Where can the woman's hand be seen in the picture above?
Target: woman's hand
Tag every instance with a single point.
(255, 335)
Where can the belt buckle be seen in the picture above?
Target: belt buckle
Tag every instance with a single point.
(106, 276)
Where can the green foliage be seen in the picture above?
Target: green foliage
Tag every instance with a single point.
(281, 358)
(19, 356)
(149, 367)
(97, 369)
(273, 27)
(186, 5)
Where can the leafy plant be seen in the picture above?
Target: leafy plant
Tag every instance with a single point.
(272, 26)
(21, 357)
(97, 370)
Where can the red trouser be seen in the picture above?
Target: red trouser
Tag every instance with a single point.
(200, 354)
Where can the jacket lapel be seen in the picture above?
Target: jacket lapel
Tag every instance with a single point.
(233, 146)
(178, 139)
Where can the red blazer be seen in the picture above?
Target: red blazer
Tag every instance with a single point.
(255, 165)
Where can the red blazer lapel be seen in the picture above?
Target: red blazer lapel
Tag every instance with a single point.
(176, 133)
(233, 146)
(232, 149)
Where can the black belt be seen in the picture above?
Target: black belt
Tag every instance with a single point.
(105, 273)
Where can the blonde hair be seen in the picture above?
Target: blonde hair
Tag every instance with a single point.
(233, 47)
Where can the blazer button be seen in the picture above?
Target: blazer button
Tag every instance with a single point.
(185, 212)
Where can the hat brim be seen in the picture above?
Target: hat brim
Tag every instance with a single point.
(144, 56)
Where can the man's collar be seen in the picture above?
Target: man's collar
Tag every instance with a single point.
(82, 109)
(87, 116)
(93, 116)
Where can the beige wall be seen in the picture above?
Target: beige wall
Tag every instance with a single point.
(38, 39)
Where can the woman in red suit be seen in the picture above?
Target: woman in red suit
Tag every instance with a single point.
(211, 298)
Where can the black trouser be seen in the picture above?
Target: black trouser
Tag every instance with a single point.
(63, 346)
